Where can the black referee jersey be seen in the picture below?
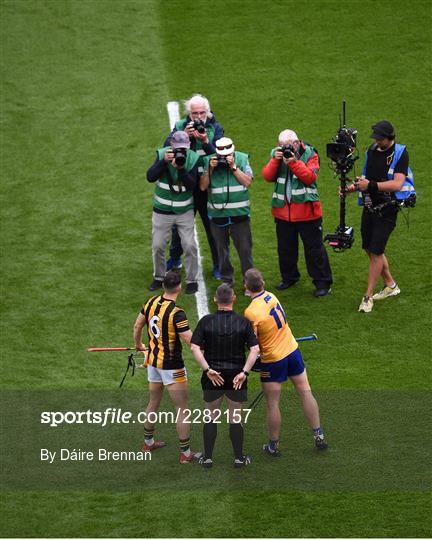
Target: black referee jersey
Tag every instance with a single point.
(223, 336)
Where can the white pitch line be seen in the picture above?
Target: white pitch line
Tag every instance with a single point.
(201, 295)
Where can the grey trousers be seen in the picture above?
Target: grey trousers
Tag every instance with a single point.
(161, 234)
(241, 234)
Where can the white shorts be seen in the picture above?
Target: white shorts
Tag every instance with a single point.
(166, 376)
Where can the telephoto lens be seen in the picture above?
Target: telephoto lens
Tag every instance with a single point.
(288, 151)
(199, 126)
(179, 156)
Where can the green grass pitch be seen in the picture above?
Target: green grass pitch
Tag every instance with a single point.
(84, 86)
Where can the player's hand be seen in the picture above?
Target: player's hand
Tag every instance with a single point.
(238, 380)
(215, 377)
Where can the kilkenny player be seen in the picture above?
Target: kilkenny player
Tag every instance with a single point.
(280, 359)
(166, 324)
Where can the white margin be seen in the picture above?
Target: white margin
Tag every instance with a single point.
(201, 296)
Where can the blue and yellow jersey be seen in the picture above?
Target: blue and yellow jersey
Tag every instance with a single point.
(269, 322)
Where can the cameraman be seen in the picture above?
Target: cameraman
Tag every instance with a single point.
(203, 130)
(384, 173)
(293, 167)
(175, 172)
(227, 176)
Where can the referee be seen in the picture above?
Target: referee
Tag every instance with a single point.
(223, 337)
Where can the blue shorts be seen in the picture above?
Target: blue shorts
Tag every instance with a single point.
(280, 371)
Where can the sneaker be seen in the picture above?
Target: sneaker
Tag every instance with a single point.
(273, 453)
(151, 447)
(193, 456)
(207, 463)
(386, 293)
(285, 285)
(155, 285)
(366, 305)
(321, 292)
(320, 443)
(173, 264)
(216, 273)
(240, 463)
(191, 288)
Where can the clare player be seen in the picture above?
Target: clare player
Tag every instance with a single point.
(280, 359)
(167, 324)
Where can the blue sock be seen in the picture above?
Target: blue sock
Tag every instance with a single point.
(318, 431)
(273, 445)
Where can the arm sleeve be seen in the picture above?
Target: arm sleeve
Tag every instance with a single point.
(251, 338)
(180, 321)
(402, 164)
(306, 172)
(198, 335)
(156, 170)
(270, 170)
(189, 179)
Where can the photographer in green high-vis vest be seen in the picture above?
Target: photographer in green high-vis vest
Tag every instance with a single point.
(227, 177)
(175, 172)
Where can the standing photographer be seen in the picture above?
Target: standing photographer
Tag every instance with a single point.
(384, 173)
(203, 130)
(175, 172)
(227, 177)
(293, 167)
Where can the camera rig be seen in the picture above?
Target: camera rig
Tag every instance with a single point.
(342, 153)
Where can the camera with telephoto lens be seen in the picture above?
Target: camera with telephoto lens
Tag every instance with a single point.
(288, 151)
(179, 156)
(199, 126)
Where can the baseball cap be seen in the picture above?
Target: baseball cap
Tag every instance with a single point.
(224, 146)
(180, 139)
(382, 129)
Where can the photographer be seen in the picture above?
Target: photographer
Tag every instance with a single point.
(227, 177)
(384, 173)
(293, 167)
(175, 172)
(203, 130)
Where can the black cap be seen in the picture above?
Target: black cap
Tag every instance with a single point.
(383, 130)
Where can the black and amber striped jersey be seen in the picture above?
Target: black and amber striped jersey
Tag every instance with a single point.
(165, 321)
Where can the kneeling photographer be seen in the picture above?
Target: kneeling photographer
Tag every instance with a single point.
(385, 173)
(175, 172)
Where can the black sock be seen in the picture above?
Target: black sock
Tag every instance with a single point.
(236, 436)
(210, 433)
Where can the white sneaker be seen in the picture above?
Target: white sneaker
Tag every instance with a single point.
(386, 293)
(366, 305)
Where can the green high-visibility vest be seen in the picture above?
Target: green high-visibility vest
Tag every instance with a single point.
(181, 124)
(170, 195)
(300, 193)
(226, 196)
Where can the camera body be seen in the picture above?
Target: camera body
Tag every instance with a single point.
(341, 151)
(342, 239)
(199, 126)
(180, 156)
(288, 151)
(221, 161)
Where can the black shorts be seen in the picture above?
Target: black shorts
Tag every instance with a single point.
(212, 393)
(376, 230)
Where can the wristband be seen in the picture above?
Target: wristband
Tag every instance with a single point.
(372, 187)
(245, 372)
(206, 370)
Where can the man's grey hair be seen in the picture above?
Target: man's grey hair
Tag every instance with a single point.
(198, 98)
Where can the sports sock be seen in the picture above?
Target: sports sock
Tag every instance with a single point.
(210, 434)
(392, 286)
(148, 435)
(236, 435)
(273, 445)
(185, 446)
(318, 432)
